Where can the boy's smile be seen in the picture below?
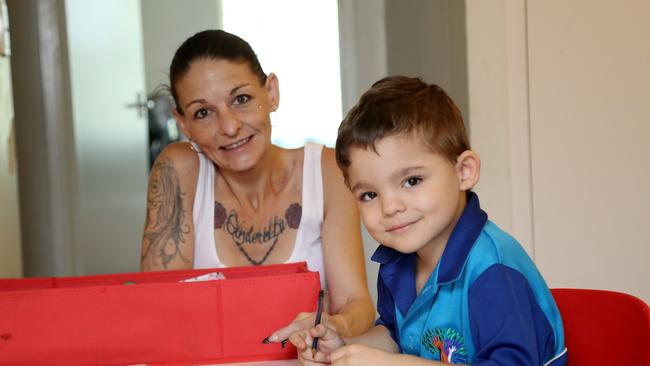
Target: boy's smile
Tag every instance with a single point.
(410, 198)
(402, 227)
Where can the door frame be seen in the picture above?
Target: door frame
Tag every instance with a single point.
(44, 136)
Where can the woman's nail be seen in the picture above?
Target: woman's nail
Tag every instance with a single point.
(274, 338)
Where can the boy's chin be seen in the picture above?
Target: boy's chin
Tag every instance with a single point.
(405, 248)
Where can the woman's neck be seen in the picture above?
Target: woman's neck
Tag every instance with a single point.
(265, 180)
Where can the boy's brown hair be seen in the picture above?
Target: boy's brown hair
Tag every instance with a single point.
(398, 105)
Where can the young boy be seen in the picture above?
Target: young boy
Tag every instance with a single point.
(452, 286)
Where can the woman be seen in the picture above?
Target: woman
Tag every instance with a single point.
(228, 197)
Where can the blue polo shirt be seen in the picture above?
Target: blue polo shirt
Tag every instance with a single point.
(484, 304)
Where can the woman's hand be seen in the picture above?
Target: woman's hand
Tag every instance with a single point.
(328, 342)
(302, 322)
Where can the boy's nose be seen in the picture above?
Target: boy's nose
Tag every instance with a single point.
(392, 205)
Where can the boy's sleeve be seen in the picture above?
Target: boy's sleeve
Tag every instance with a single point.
(508, 326)
(386, 310)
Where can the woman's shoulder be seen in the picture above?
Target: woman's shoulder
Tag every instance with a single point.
(334, 187)
(328, 165)
(331, 174)
(330, 168)
(180, 157)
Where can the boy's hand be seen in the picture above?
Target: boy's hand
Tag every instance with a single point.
(328, 341)
(359, 355)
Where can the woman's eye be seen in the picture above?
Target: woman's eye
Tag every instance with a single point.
(412, 181)
(201, 113)
(367, 196)
(242, 99)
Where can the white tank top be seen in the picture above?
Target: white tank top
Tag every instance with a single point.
(308, 246)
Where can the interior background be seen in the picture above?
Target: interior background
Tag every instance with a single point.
(554, 94)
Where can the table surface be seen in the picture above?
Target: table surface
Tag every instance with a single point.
(293, 362)
(263, 363)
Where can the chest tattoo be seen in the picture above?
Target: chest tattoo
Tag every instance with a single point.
(293, 215)
(243, 235)
(266, 235)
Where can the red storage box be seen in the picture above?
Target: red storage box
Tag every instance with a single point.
(153, 317)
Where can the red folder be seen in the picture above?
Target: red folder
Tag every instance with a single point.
(152, 317)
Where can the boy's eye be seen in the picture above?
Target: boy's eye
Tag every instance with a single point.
(201, 113)
(412, 181)
(367, 196)
(242, 99)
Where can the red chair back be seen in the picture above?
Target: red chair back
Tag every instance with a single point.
(604, 327)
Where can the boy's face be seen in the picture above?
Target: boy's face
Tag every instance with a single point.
(410, 198)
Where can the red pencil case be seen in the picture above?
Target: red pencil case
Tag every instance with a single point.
(153, 317)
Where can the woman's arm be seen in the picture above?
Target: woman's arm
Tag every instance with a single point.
(168, 238)
(351, 309)
(350, 304)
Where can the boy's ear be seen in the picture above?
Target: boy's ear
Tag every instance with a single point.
(468, 169)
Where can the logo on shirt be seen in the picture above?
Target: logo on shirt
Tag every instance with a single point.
(446, 344)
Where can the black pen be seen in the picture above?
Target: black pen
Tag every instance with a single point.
(314, 344)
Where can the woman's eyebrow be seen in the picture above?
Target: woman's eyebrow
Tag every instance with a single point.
(232, 91)
(201, 101)
(236, 88)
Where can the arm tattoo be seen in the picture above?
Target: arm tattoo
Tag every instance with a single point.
(269, 234)
(164, 228)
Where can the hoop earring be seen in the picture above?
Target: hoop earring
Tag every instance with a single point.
(274, 118)
(192, 145)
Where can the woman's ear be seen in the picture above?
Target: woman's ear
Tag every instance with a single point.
(180, 121)
(468, 169)
(273, 89)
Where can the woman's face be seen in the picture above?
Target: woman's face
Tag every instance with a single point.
(226, 111)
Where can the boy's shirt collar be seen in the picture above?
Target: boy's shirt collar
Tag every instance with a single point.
(398, 269)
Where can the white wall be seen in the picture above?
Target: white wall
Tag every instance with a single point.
(427, 39)
(498, 111)
(560, 115)
(590, 142)
(165, 25)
